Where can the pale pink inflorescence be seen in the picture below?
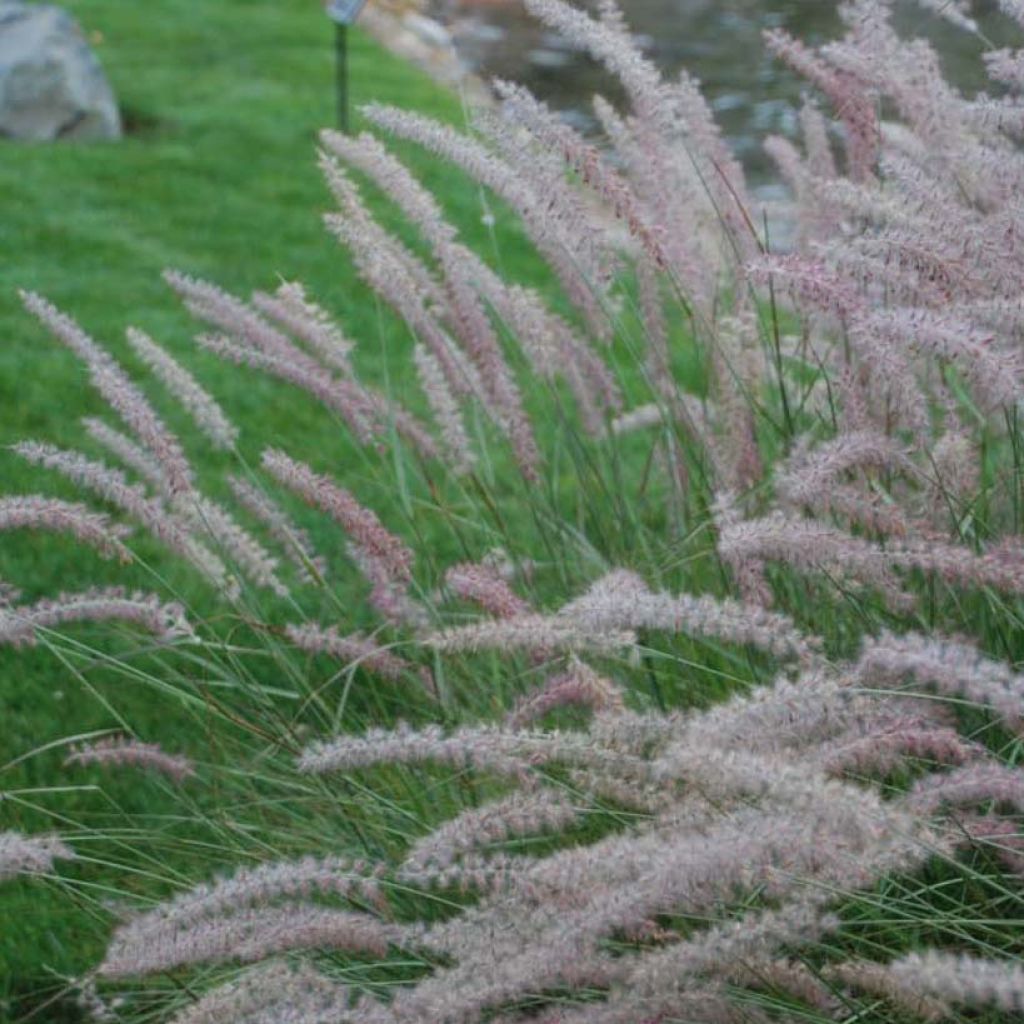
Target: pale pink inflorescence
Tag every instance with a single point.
(208, 415)
(296, 543)
(275, 991)
(960, 979)
(362, 525)
(30, 855)
(951, 667)
(248, 338)
(481, 585)
(37, 512)
(354, 649)
(622, 600)
(250, 935)
(126, 451)
(578, 686)
(119, 391)
(120, 751)
(23, 624)
(294, 310)
(541, 635)
(133, 500)
(447, 414)
(520, 814)
(726, 837)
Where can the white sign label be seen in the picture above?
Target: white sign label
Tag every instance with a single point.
(345, 12)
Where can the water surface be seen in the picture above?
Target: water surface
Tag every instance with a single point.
(718, 41)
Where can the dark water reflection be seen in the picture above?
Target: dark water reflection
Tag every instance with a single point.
(719, 41)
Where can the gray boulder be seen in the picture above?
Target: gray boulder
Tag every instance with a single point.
(51, 84)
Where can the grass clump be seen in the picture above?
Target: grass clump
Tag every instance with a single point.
(659, 662)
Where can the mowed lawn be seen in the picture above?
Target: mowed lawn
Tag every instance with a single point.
(216, 177)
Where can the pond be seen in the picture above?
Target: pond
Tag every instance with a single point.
(718, 41)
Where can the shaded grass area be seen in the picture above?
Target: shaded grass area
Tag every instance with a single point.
(216, 177)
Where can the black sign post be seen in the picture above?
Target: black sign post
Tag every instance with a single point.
(343, 13)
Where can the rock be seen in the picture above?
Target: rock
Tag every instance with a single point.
(51, 83)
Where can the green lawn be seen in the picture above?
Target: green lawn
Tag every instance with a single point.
(216, 177)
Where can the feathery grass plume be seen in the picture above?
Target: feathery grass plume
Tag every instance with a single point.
(977, 783)
(263, 885)
(996, 374)
(205, 411)
(951, 667)
(9, 594)
(482, 585)
(249, 339)
(134, 456)
(578, 686)
(595, 254)
(738, 366)
(811, 472)
(304, 319)
(640, 418)
(465, 312)
(540, 635)
(445, 407)
(401, 279)
(657, 981)
(553, 347)
(242, 550)
(341, 397)
(468, 747)
(295, 541)
(251, 935)
(122, 750)
(152, 513)
(1000, 836)
(519, 814)
(877, 979)
(359, 522)
(814, 285)
(30, 855)
(484, 748)
(555, 239)
(214, 306)
(672, 127)
(808, 545)
(585, 159)
(622, 600)
(475, 874)
(881, 753)
(389, 594)
(22, 624)
(814, 128)
(463, 270)
(665, 187)
(1013, 8)
(354, 649)
(272, 993)
(38, 512)
(811, 479)
(118, 390)
(1006, 66)
(850, 100)
(960, 979)
(368, 155)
